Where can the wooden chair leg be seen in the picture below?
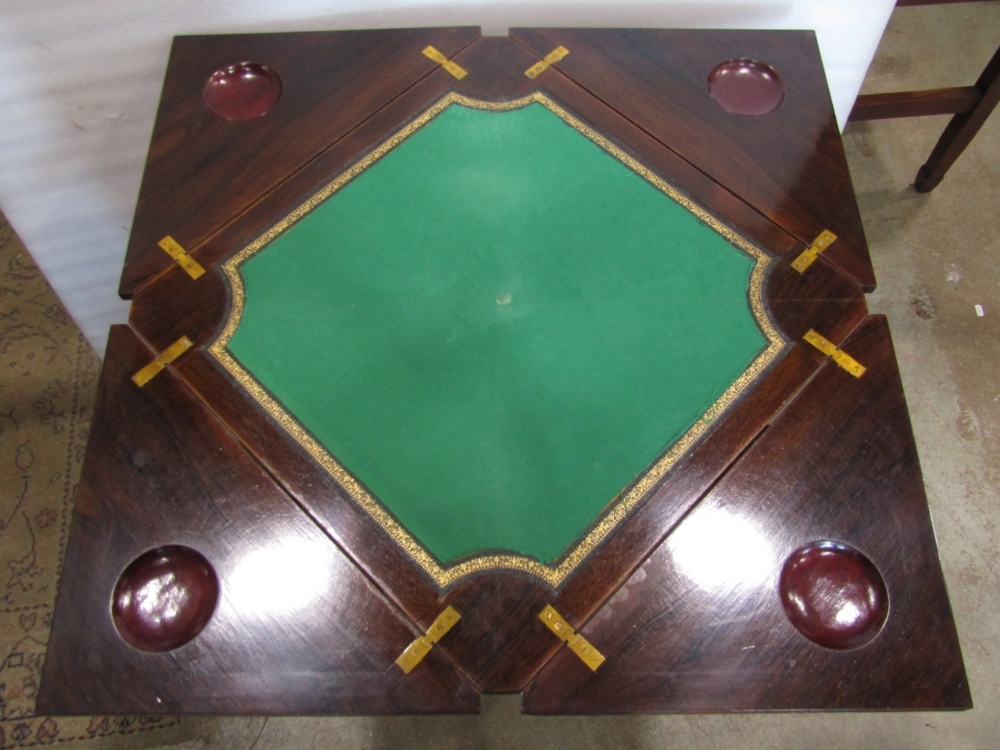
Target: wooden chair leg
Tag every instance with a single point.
(961, 129)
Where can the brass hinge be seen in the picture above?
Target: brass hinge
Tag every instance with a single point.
(550, 59)
(172, 248)
(577, 643)
(454, 68)
(168, 355)
(422, 646)
(812, 252)
(842, 358)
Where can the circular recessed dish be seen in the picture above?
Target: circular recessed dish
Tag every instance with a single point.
(244, 91)
(833, 595)
(746, 87)
(164, 598)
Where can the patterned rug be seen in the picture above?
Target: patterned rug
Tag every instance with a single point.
(48, 375)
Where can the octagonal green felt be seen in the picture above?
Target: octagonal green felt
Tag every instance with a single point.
(497, 327)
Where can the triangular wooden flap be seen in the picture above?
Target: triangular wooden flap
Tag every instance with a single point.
(789, 164)
(203, 169)
(827, 505)
(294, 626)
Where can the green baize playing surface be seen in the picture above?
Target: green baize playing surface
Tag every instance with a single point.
(496, 327)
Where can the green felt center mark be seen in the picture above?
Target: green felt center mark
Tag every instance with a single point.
(497, 327)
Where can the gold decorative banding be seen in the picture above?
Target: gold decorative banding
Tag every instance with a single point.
(556, 573)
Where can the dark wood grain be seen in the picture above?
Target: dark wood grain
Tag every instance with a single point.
(492, 648)
(962, 128)
(298, 629)
(915, 103)
(175, 302)
(504, 642)
(196, 308)
(789, 165)
(203, 170)
(497, 658)
(700, 626)
(496, 68)
(192, 460)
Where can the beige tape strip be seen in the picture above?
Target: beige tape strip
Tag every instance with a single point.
(577, 643)
(172, 248)
(812, 252)
(842, 358)
(550, 59)
(454, 68)
(168, 355)
(422, 646)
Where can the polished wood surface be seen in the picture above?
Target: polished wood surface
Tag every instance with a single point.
(495, 652)
(700, 625)
(297, 627)
(216, 475)
(788, 164)
(198, 175)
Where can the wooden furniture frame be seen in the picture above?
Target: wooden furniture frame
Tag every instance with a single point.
(812, 452)
(971, 105)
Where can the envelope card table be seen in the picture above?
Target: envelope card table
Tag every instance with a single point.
(534, 364)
